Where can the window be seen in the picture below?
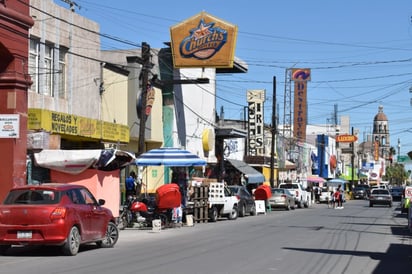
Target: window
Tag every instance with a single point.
(34, 64)
(88, 197)
(47, 68)
(61, 92)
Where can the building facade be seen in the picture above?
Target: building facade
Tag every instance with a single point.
(15, 23)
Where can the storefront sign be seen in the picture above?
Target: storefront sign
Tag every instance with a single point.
(203, 41)
(346, 138)
(73, 125)
(9, 125)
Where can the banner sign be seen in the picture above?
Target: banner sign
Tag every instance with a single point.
(203, 41)
(300, 77)
(255, 100)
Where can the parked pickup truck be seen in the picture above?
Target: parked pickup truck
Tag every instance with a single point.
(302, 197)
(221, 202)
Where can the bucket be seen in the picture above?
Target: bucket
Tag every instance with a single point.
(156, 225)
(189, 220)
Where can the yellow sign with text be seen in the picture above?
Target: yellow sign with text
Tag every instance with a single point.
(73, 125)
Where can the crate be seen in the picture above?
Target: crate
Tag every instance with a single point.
(217, 193)
(200, 204)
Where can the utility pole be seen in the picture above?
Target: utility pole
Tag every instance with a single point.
(146, 66)
(273, 129)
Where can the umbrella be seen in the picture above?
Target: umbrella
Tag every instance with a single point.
(167, 156)
(315, 179)
(337, 181)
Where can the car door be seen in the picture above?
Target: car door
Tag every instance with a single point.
(81, 212)
(247, 197)
(97, 217)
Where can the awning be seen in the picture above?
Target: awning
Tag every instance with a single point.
(253, 176)
(77, 161)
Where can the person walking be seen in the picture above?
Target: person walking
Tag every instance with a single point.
(338, 198)
(331, 200)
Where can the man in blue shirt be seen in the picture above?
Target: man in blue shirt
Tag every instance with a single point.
(131, 184)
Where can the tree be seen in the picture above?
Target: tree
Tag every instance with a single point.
(396, 174)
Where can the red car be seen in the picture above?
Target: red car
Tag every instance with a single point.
(63, 215)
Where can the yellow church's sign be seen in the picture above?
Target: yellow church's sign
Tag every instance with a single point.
(203, 41)
(73, 125)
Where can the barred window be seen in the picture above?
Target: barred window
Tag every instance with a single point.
(47, 68)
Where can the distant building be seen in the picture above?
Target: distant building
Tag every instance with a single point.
(381, 135)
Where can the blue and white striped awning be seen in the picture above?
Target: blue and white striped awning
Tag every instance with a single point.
(169, 157)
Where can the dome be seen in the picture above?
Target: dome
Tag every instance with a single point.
(380, 116)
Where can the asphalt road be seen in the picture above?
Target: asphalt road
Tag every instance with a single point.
(356, 239)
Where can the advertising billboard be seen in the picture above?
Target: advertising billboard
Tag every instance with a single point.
(203, 41)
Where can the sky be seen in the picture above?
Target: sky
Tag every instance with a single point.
(359, 52)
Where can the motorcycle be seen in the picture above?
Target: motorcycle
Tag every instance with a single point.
(143, 213)
(136, 213)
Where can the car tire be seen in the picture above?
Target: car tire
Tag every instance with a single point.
(213, 215)
(111, 237)
(253, 211)
(288, 206)
(234, 213)
(72, 244)
(390, 205)
(4, 248)
(370, 205)
(242, 211)
(122, 223)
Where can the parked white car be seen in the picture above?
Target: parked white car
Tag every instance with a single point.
(325, 195)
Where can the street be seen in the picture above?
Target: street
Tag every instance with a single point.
(356, 239)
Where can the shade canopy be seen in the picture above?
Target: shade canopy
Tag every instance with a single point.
(315, 179)
(337, 181)
(167, 156)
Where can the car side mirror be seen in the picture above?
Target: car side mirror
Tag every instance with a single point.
(102, 201)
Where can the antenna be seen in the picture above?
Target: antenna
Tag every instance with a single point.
(72, 4)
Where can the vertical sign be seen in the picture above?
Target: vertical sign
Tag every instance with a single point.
(300, 77)
(255, 100)
(376, 151)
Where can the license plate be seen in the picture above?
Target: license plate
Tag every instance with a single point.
(24, 234)
(380, 198)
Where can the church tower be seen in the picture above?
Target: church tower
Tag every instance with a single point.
(380, 135)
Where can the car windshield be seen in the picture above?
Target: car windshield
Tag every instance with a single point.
(32, 196)
(289, 186)
(396, 190)
(278, 191)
